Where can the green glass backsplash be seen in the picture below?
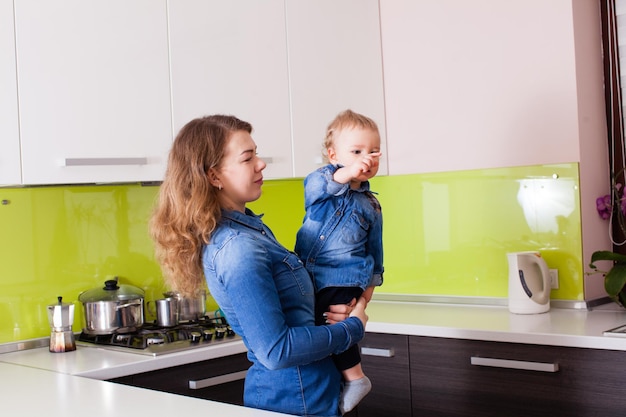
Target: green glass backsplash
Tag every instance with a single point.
(444, 234)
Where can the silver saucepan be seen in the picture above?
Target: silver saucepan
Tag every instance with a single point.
(190, 308)
(113, 308)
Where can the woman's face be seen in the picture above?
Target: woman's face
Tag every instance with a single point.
(240, 172)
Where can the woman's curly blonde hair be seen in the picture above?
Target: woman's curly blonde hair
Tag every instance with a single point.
(187, 209)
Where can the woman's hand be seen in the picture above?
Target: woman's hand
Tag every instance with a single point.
(340, 312)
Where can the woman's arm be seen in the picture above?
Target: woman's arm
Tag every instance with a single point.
(278, 327)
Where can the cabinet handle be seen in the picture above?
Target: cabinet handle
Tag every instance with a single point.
(217, 380)
(268, 160)
(384, 353)
(513, 364)
(104, 161)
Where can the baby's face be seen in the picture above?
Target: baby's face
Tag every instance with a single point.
(352, 145)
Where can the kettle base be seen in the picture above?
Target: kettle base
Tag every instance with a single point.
(533, 309)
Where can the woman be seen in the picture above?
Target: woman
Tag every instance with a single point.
(202, 229)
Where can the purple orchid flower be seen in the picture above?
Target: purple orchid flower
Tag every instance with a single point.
(603, 205)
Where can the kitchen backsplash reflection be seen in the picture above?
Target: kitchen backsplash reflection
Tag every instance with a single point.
(444, 234)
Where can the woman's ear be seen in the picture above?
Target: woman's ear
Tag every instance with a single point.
(213, 178)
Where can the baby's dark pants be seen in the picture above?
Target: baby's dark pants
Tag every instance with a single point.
(338, 295)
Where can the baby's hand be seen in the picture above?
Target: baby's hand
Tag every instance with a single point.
(361, 168)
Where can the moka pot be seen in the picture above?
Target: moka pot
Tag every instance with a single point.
(61, 318)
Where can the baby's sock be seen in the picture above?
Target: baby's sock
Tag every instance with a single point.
(353, 392)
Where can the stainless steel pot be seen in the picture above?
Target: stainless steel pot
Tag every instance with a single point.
(189, 308)
(112, 309)
(166, 311)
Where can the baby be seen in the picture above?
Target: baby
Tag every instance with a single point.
(340, 240)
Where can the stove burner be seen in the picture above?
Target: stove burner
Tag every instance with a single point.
(205, 329)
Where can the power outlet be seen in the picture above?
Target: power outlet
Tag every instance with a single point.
(554, 279)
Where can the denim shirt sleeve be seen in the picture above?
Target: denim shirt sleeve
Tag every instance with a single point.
(279, 331)
(320, 185)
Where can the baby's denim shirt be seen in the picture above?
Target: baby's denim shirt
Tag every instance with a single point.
(340, 240)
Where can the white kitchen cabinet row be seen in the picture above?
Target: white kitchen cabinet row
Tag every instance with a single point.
(94, 92)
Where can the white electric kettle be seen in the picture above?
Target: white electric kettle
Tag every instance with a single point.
(529, 283)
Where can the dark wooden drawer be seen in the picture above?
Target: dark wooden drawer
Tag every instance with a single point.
(588, 382)
(212, 372)
(385, 360)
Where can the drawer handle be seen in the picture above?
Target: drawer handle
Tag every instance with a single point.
(383, 353)
(217, 380)
(104, 161)
(513, 364)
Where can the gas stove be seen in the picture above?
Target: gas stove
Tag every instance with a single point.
(154, 340)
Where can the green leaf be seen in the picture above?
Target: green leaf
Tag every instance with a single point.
(605, 255)
(615, 279)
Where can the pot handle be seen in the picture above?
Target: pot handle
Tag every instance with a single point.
(132, 303)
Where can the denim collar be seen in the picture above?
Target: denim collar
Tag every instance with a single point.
(248, 218)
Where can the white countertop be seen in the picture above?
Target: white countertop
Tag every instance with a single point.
(98, 363)
(33, 392)
(71, 381)
(558, 327)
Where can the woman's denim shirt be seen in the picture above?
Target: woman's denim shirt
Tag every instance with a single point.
(268, 298)
(340, 240)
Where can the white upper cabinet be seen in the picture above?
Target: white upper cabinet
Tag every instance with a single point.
(94, 93)
(471, 87)
(335, 63)
(287, 67)
(9, 132)
(230, 57)
(104, 86)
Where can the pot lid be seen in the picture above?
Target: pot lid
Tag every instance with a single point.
(112, 291)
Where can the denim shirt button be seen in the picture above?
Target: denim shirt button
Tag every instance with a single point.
(322, 237)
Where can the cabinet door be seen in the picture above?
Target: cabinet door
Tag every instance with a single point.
(230, 57)
(94, 90)
(219, 379)
(385, 361)
(454, 103)
(9, 133)
(445, 382)
(335, 63)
